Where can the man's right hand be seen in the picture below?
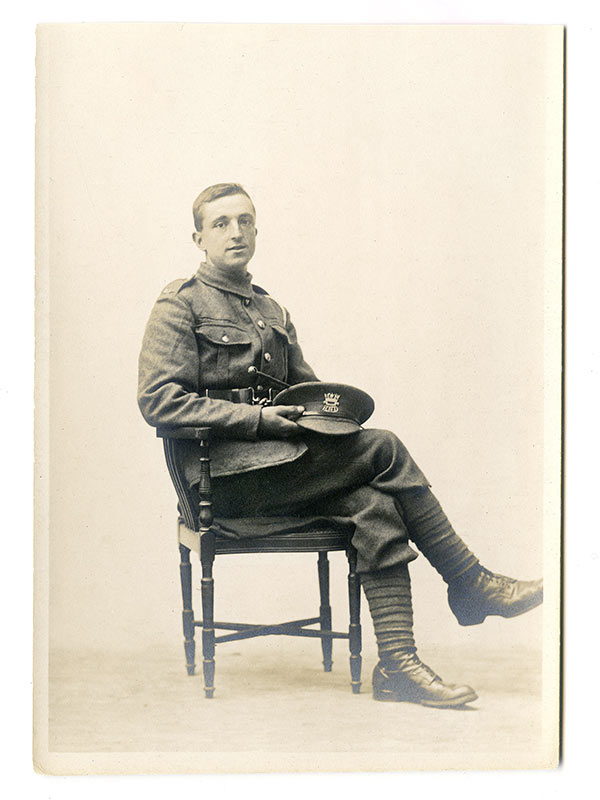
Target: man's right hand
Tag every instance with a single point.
(278, 422)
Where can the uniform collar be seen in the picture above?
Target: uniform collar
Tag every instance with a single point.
(234, 282)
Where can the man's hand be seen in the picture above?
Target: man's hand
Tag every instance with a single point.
(277, 422)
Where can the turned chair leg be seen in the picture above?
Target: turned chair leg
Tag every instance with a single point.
(325, 609)
(189, 645)
(207, 556)
(355, 629)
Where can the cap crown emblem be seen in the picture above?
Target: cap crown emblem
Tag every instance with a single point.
(331, 402)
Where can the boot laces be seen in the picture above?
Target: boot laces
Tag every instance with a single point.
(501, 580)
(408, 666)
(433, 675)
(416, 665)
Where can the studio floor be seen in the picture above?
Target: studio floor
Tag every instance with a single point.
(276, 709)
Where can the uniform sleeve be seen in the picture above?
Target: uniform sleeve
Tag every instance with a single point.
(298, 370)
(168, 377)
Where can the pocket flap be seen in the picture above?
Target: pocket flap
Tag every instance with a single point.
(280, 330)
(222, 333)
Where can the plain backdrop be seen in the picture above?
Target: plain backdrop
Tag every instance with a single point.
(407, 187)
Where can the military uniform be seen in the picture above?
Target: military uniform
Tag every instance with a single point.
(202, 335)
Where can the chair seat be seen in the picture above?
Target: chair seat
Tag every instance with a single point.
(272, 535)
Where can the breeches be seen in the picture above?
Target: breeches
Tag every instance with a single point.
(356, 478)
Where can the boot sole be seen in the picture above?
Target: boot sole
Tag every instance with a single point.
(387, 696)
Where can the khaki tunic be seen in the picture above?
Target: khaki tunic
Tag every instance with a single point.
(204, 333)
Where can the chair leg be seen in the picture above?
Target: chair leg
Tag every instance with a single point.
(355, 629)
(325, 609)
(189, 645)
(207, 556)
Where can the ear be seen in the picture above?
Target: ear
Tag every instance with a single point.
(197, 238)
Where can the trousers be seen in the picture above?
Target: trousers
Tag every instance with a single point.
(358, 478)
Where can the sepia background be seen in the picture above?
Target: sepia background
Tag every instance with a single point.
(407, 181)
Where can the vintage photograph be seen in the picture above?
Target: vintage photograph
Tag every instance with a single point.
(298, 397)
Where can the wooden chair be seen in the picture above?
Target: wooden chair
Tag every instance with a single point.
(198, 531)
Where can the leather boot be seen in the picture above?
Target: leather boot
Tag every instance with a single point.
(480, 593)
(406, 679)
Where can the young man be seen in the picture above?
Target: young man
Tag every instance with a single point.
(203, 335)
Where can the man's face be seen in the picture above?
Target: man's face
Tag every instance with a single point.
(228, 234)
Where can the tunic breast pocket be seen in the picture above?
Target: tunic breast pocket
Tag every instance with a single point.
(225, 354)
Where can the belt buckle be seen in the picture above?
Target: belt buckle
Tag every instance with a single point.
(262, 399)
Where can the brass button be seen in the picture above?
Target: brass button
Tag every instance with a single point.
(261, 324)
(246, 301)
(267, 356)
(224, 338)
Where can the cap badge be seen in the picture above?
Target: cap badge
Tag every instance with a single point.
(331, 403)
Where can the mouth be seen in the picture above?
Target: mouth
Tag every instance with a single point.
(237, 248)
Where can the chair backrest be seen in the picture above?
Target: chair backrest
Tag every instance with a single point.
(188, 501)
(194, 506)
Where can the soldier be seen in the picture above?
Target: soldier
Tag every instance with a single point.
(202, 336)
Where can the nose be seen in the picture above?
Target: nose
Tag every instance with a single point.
(234, 229)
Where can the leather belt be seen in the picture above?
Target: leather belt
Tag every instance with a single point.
(245, 395)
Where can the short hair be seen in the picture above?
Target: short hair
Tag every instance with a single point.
(213, 193)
